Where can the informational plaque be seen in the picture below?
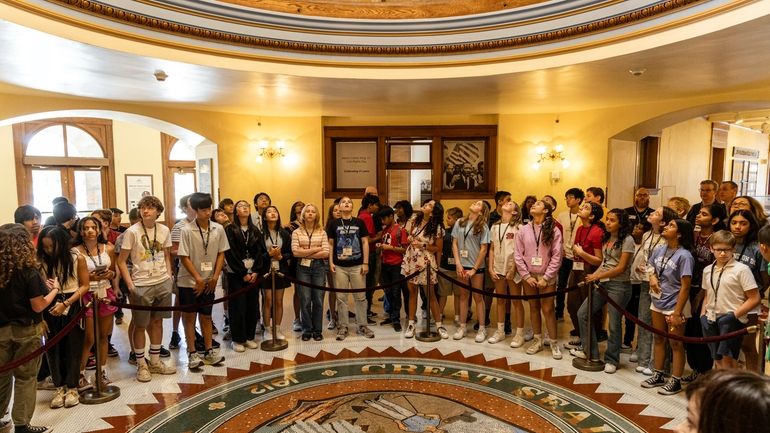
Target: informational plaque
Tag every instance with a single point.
(356, 164)
(137, 186)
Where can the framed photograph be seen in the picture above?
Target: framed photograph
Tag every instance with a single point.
(464, 165)
(205, 175)
(137, 186)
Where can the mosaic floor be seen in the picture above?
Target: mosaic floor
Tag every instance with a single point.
(386, 384)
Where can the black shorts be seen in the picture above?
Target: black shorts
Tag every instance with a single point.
(187, 297)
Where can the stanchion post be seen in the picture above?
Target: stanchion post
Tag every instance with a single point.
(103, 392)
(588, 364)
(764, 340)
(428, 335)
(275, 344)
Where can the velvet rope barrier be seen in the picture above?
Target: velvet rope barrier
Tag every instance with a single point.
(692, 340)
(185, 308)
(506, 296)
(353, 290)
(49, 344)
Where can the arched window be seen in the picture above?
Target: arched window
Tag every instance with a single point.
(65, 157)
(179, 174)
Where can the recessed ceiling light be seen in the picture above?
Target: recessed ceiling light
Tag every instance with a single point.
(160, 75)
(637, 72)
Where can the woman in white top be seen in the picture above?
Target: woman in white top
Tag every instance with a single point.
(100, 260)
(502, 269)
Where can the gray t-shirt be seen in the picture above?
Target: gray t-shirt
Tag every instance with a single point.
(612, 256)
(467, 241)
(202, 247)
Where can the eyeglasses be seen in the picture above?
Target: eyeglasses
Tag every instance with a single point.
(722, 250)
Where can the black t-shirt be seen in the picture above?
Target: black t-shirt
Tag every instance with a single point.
(23, 286)
(347, 235)
(635, 217)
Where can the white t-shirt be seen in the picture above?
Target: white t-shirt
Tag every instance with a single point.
(735, 281)
(147, 252)
(570, 223)
(503, 237)
(202, 247)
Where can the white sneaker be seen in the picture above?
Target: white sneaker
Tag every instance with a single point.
(238, 347)
(161, 368)
(46, 384)
(72, 398)
(332, 324)
(443, 332)
(518, 341)
(577, 352)
(459, 334)
(574, 341)
(633, 358)
(296, 326)
(251, 344)
(610, 368)
(497, 336)
(481, 335)
(647, 372)
(536, 346)
(409, 333)
(194, 361)
(555, 350)
(212, 357)
(143, 372)
(639, 369)
(58, 398)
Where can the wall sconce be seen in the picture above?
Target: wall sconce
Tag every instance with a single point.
(270, 152)
(553, 155)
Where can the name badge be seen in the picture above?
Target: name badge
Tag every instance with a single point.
(537, 261)
(711, 315)
(275, 264)
(248, 263)
(604, 280)
(306, 262)
(207, 266)
(347, 251)
(464, 254)
(632, 217)
(578, 266)
(451, 260)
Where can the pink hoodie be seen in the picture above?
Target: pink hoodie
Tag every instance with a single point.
(526, 249)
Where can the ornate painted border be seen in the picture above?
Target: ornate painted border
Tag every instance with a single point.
(135, 19)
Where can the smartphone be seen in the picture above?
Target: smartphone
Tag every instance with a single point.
(101, 268)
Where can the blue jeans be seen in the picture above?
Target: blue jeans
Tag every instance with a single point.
(311, 301)
(620, 292)
(393, 294)
(644, 337)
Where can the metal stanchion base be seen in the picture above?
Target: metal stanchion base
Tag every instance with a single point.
(428, 336)
(108, 393)
(274, 345)
(587, 365)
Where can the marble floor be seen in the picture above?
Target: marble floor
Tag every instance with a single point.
(385, 384)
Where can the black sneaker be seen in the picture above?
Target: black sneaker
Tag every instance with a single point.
(507, 328)
(30, 429)
(690, 377)
(164, 353)
(602, 336)
(654, 381)
(673, 386)
(112, 352)
(175, 340)
(371, 321)
(132, 358)
(397, 326)
(387, 321)
(317, 336)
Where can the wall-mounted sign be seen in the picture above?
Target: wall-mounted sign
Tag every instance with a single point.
(356, 164)
(745, 153)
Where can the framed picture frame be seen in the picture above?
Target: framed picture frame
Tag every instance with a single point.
(464, 166)
(137, 186)
(205, 175)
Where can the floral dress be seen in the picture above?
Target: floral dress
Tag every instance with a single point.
(415, 258)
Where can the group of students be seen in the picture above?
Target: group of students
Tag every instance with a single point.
(696, 273)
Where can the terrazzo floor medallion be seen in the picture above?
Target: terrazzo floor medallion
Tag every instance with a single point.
(388, 392)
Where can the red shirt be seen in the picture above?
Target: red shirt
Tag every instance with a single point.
(590, 239)
(397, 237)
(366, 217)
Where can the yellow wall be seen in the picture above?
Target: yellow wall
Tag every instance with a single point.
(10, 201)
(137, 151)
(744, 137)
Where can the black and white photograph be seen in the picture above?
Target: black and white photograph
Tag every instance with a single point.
(464, 165)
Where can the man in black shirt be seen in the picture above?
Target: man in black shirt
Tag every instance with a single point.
(638, 213)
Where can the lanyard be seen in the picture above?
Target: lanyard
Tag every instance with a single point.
(245, 233)
(269, 236)
(98, 256)
(205, 241)
(664, 262)
(606, 251)
(503, 233)
(347, 229)
(537, 237)
(309, 236)
(641, 247)
(743, 250)
(466, 233)
(421, 229)
(715, 288)
(154, 240)
(572, 224)
(588, 233)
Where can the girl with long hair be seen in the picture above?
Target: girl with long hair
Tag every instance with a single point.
(745, 227)
(470, 242)
(538, 258)
(99, 257)
(331, 299)
(67, 270)
(614, 276)
(245, 260)
(502, 270)
(671, 273)
(751, 204)
(25, 295)
(277, 242)
(310, 247)
(525, 206)
(425, 241)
